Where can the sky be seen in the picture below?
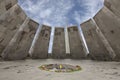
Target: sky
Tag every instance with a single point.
(61, 13)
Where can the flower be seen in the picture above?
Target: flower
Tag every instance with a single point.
(61, 66)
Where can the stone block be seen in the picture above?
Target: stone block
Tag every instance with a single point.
(113, 6)
(97, 48)
(110, 27)
(20, 44)
(40, 49)
(5, 5)
(59, 51)
(9, 24)
(76, 47)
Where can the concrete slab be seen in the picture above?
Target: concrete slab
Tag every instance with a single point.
(20, 44)
(110, 27)
(40, 50)
(9, 24)
(98, 50)
(76, 47)
(5, 5)
(114, 6)
(59, 51)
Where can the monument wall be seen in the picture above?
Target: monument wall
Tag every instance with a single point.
(5, 5)
(19, 46)
(95, 45)
(59, 51)
(40, 49)
(76, 47)
(113, 6)
(10, 22)
(109, 24)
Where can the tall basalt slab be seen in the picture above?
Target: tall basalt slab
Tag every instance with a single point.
(9, 24)
(110, 27)
(59, 51)
(76, 47)
(114, 6)
(40, 49)
(5, 5)
(96, 47)
(19, 46)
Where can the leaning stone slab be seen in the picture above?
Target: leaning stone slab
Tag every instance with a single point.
(59, 51)
(9, 24)
(97, 49)
(5, 5)
(19, 46)
(76, 47)
(109, 24)
(39, 49)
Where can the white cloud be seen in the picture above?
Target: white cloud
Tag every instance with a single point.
(91, 7)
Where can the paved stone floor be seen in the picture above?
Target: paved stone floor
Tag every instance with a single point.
(28, 70)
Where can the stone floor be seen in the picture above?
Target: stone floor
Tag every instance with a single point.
(28, 70)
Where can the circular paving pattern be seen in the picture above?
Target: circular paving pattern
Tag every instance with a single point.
(60, 67)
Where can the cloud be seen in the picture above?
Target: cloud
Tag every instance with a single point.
(89, 9)
(61, 12)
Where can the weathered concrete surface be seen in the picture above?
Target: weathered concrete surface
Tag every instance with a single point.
(59, 51)
(110, 27)
(114, 6)
(76, 47)
(9, 24)
(40, 50)
(97, 49)
(5, 5)
(19, 46)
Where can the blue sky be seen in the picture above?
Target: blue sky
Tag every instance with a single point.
(61, 13)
